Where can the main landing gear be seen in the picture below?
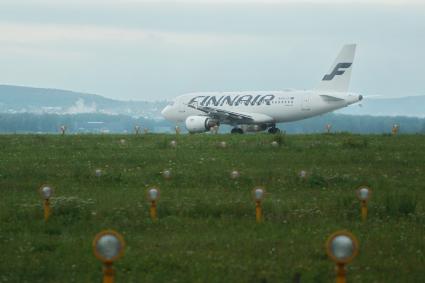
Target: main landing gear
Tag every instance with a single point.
(236, 131)
(271, 130)
(274, 130)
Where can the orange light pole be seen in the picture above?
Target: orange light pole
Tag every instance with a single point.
(395, 129)
(258, 212)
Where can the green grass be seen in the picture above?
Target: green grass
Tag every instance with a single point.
(206, 230)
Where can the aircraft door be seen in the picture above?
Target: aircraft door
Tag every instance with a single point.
(305, 106)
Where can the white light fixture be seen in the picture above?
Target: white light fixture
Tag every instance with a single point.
(363, 193)
(166, 174)
(46, 192)
(234, 174)
(303, 174)
(153, 194)
(342, 247)
(108, 246)
(258, 194)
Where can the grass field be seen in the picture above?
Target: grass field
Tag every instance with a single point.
(206, 230)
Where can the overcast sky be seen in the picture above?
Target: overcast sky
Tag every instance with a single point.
(149, 50)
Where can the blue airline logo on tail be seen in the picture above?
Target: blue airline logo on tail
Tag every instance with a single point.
(337, 71)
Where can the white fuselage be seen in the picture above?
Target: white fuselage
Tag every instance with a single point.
(264, 106)
(206, 110)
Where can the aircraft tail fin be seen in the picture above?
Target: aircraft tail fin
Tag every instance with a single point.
(338, 77)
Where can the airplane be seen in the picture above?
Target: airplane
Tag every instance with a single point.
(254, 111)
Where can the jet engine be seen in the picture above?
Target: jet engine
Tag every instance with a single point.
(200, 124)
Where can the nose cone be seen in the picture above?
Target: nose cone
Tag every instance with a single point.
(166, 112)
(360, 97)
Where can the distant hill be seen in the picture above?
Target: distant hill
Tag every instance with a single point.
(18, 99)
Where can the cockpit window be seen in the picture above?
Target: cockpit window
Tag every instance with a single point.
(171, 103)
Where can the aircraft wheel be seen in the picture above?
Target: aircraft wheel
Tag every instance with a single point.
(236, 131)
(274, 130)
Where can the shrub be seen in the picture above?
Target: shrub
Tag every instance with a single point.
(279, 138)
(317, 180)
(400, 204)
(351, 143)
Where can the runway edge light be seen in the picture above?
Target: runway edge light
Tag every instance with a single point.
(342, 247)
(46, 192)
(167, 174)
(98, 172)
(173, 144)
(108, 246)
(258, 194)
(153, 196)
(234, 174)
(363, 194)
(63, 130)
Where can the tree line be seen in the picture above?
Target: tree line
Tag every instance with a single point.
(104, 123)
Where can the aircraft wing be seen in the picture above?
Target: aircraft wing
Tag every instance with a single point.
(231, 117)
